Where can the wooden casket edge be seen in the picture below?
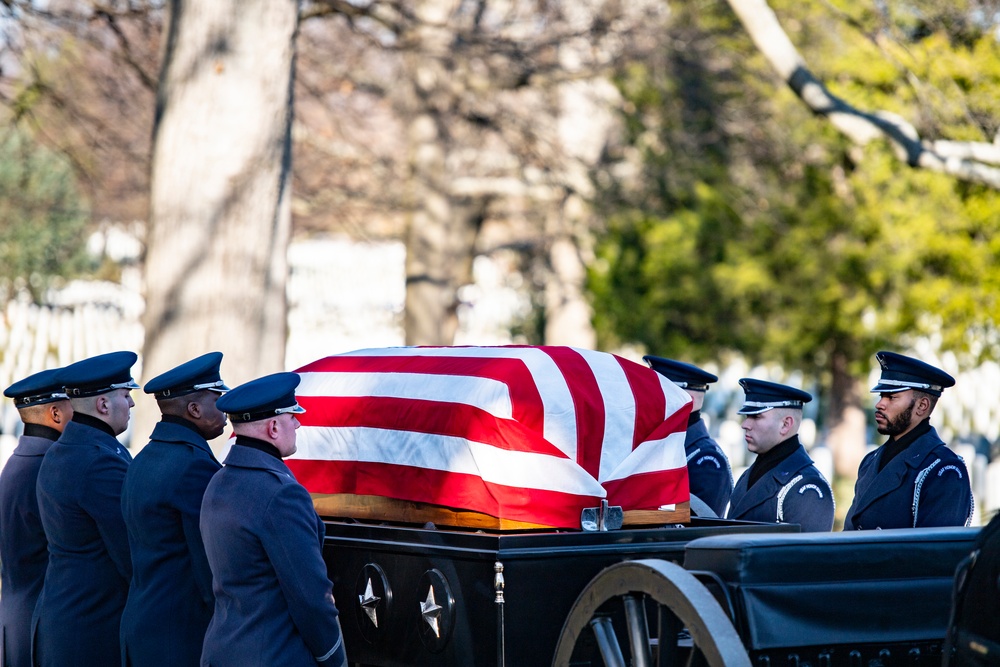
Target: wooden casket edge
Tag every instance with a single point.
(392, 510)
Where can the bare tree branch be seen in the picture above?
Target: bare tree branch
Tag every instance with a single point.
(126, 48)
(959, 159)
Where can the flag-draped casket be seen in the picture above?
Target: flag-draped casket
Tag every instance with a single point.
(532, 434)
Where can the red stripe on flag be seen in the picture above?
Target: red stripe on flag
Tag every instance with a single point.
(651, 404)
(420, 416)
(675, 423)
(455, 490)
(588, 403)
(649, 490)
(526, 403)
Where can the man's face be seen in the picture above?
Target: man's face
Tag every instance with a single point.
(762, 431)
(894, 412)
(119, 406)
(285, 439)
(213, 421)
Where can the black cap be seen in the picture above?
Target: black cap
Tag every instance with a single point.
(196, 375)
(100, 374)
(37, 389)
(762, 396)
(262, 398)
(900, 373)
(681, 374)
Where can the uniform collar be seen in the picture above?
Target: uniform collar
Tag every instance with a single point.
(242, 456)
(893, 447)
(174, 431)
(81, 432)
(41, 431)
(30, 445)
(762, 492)
(695, 432)
(180, 421)
(93, 422)
(771, 459)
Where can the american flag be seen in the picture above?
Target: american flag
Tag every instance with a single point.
(524, 433)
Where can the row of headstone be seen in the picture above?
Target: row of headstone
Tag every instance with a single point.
(33, 338)
(345, 295)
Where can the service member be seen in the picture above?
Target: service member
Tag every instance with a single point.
(170, 597)
(709, 474)
(782, 485)
(45, 410)
(76, 621)
(913, 480)
(273, 601)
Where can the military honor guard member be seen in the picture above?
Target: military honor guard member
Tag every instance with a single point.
(709, 474)
(913, 480)
(782, 485)
(24, 552)
(274, 603)
(170, 597)
(76, 621)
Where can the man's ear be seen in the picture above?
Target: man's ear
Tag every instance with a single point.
(55, 413)
(923, 407)
(787, 422)
(194, 409)
(272, 428)
(102, 405)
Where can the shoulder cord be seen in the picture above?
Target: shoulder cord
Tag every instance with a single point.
(781, 497)
(921, 476)
(788, 487)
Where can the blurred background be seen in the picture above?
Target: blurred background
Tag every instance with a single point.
(776, 190)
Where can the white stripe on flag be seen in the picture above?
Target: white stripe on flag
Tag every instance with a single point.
(619, 409)
(652, 456)
(557, 402)
(486, 394)
(446, 453)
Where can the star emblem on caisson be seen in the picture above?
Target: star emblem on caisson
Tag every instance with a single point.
(369, 602)
(431, 612)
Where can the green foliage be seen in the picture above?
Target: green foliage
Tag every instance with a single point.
(756, 228)
(42, 217)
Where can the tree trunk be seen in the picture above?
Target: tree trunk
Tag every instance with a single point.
(216, 261)
(567, 313)
(846, 419)
(444, 226)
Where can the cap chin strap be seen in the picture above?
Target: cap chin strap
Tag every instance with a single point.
(693, 386)
(904, 385)
(773, 404)
(47, 397)
(264, 414)
(219, 387)
(124, 385)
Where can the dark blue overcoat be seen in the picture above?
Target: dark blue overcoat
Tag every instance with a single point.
(76, 620)
(794, 492)
(170, 597)
(709, 474)
(274, 603)
(23, 549)
(925, 485)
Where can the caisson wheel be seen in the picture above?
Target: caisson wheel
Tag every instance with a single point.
(644, 613)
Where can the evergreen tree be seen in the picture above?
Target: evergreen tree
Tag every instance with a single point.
(42, 218)
(755, 227)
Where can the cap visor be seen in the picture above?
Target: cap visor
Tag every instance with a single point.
(888, 389)
(745, 410)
